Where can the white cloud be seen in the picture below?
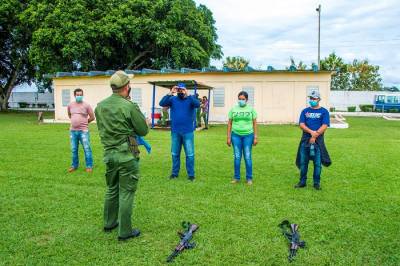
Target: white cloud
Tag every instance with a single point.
(269, 32)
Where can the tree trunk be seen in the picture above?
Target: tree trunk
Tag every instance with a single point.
(5, 95)
(3, 104)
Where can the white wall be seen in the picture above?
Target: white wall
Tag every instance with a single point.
(342, 99)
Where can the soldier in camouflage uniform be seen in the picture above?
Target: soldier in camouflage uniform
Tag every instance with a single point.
(117, 120)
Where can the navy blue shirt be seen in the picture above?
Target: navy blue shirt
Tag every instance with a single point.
(183, 112)
(314, 118)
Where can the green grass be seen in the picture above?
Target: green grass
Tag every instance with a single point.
(51, 217)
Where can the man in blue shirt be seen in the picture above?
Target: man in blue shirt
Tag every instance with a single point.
(183, 111)
(314, 121)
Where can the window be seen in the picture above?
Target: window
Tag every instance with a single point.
(392, 99)
(136, 95)
(66, 97)
(250, 92)
(219, 97)
(380, 99)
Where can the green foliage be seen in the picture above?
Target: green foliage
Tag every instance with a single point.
(351, 108)
(15, 38)
(357, 76)
(393, 110)
(332, 109)
(237, 63)
(120, 34)
(43, 36)
(54, 218)
(23, 104)
(294, 66)
(366, 107)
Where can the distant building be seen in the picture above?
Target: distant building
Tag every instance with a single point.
(277, 95)
(29, 99)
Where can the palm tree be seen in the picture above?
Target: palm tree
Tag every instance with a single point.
(237, 63)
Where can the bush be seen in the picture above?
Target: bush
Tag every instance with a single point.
(23, 104)
(42, 105)
(393, 110)
(366, 107)
(332, 109)
(351, 109)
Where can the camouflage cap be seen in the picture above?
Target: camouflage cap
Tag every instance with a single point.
(314, 94)
(119, 79)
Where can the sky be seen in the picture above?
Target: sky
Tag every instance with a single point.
(269, 32)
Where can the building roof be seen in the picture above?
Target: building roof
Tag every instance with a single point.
(146, 71)
(190, 84)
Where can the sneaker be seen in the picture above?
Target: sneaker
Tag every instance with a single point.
(300, 185)
(109, 229)
(235, 181)
(134, 233)
(173, 176)
(89, 170)
(191, 178)
(71, 169)
(249, 182)
(317, 187)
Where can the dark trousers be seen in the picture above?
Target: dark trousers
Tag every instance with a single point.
(304, 161)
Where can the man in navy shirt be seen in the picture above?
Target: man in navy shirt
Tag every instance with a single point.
(183, 111)
(314, 121)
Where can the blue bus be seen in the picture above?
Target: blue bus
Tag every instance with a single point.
(384, 102)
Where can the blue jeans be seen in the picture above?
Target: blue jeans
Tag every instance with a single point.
(305, 159)
(187, 140)
(243, 145)
(83, 137)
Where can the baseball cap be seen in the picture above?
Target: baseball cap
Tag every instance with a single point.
(119, 79)
(181, 85)
(314, 94)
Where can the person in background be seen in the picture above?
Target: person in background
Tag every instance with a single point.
(204, 111)
(80, 114)
(314, 121)
(242, 134)
(183, 111)
(164, 117)
(198, 112)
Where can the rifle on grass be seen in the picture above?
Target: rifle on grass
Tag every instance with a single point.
(185, 237)
(291, 232)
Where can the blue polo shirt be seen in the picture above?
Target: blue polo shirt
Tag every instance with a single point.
(315, 118)
(183, 112)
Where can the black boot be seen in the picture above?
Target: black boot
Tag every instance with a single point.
(300, 185)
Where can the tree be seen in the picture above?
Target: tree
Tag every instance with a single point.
(119, 34)
(15, 37)
(358, 75)
(294, 66)
(364, 77)
(341, 76)
(237, 63)
(46, 36)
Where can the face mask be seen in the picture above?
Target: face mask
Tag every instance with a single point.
(242, 103)
(79, 99)
(181, 95)
(313, 103)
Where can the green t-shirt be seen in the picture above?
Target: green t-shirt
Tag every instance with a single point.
(242, 119)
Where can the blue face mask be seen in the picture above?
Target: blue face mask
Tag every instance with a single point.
(242, 103)
(313, 103)
(79, 99)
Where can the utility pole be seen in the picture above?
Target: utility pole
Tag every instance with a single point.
(319, 36)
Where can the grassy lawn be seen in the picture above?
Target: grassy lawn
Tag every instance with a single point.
(51, 217)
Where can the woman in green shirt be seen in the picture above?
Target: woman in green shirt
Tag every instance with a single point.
(242, 133)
